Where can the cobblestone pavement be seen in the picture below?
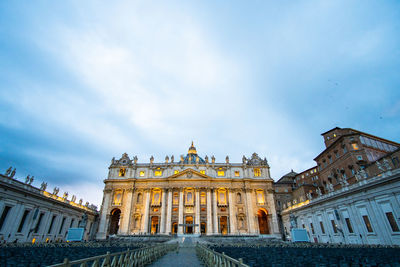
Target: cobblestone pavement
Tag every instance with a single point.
(185, 256)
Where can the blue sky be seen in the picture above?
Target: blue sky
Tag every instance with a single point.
(84, 81)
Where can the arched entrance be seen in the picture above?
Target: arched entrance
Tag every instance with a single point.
(174, 229)
(114, 221)
(189, 229)
(223, 225)
(263, 222)
(154, 224)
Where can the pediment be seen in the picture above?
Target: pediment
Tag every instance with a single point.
(189, 174)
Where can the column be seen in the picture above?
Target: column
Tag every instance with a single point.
(272, 210)
(145, 226)
(163, 204)
(101, 234)
(127, 212)
(209, 213)
(169, 212)
(250, 213)
(197, 219)
(215, 217)
(180, 219)
(232, 213)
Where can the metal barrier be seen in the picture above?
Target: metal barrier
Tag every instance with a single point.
(131, 258)
(213, 258)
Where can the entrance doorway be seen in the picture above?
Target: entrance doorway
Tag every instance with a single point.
(223, 225)
(154, 224)
(174, 229)
(263, 222)
(114, 222)
(189, 228)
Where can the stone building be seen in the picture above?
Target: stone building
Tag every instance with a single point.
(354, 195)
(193, 195)
(31, 214)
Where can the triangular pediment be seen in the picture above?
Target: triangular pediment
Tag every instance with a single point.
(189, 174)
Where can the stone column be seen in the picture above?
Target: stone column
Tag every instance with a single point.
(101, 234)
(209, 213)
(197, 219)
(169, 212)
(272, 210)
(145, 226)
(163, 204)
(215, 208)
(180, 219)
(232, 215)
(250, 213)
(126, 212)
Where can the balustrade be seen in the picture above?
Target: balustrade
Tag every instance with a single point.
(213, 258)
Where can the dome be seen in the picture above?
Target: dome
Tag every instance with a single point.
(192, 157)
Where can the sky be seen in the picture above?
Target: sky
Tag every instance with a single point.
(82, 82)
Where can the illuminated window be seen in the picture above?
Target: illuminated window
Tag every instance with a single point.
(220, 172)
(141, 173)
(260, 197)
(176, 199)
(158, 172)
(367, 223)
(334, 135)
(354, 146)
(237, 173)
(122, 172)
(117, 198)
(156, 197)
(176, 171)
(203, 172)
(392, 222)
(257, 172)
(222, 197)
(203, 198)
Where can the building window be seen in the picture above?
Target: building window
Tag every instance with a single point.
(158, 172)
(321, 224)
(395, 161)
(222, 197)
(367, 223)
(260, 197)
(203, 198)
(349, 227)
(257, 172)
(62, 225)
(392, 222)
(359, 157)
(4, 216)
(51, 224)
(237, 173)
(21, 224)
(139, 198)
(176, 199)
(189, 197)
(220, 172)
(122, 172)
(156, 197)
(330, 159)
(117, 198)
(312, 228)
(334, 226)
(37, 227)
(176, 171)
(344, 149)
(203, 171)
(355, 146)
(141, 173)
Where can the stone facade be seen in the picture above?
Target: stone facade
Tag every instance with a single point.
(191, 196)
(31, 214)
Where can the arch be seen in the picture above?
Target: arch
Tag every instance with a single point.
(223, 225)
(154, 224)
(263, 221)
(189, 228)
(114, 221)
(174, 228)
(239, 198)
(139, 198)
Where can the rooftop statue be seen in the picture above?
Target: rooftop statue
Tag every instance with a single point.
(43, 186)
(8, 171)
(13, 173)
(172, 159)
(227, 159)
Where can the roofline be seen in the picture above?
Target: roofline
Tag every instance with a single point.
(331, 130)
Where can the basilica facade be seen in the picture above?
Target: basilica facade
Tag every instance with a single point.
(191, 196)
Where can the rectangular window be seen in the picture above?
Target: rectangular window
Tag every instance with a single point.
(72, 223)
(122, 172)
(392, 222)
(344, 149)
(349, 227)
(4, 216)
(367, 223)
(21, 224)
(38, 223)
(177, 171)
(334, 226)
(141, 173)
(312, 228)
(158, 172)
(51, 224)
(220, 173)
(257, 172)
(237, 173)
(62, 225)
(354, 146)
(203, 172)
(322, 227)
